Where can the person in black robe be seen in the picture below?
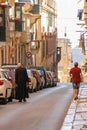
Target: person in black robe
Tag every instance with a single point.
(21, 79)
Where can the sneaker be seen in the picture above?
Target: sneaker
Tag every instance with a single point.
(24, 100)
(75, 98)
(20, 100)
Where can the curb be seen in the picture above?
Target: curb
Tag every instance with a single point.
(76, 117)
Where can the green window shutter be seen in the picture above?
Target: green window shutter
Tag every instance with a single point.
(35, 9)
(2, 24)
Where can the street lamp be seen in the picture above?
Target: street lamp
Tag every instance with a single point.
(58, 54)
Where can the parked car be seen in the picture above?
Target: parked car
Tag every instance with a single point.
(11, 71)
(6, 86)
(43, 73)
(51, 78)
(32, 81)
(38, 78)
(48, 79)
(55, 78)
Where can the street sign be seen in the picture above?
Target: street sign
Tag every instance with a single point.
(28, 54)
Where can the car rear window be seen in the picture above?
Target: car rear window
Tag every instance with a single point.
(6, 74)
(42, 72)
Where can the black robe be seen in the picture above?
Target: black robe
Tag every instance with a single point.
(21, 78)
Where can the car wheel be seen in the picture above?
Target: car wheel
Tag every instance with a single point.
(12, 96)
(10, 99)
(35, 89)
(4, 101)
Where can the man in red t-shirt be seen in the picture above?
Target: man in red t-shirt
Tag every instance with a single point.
(76, 78)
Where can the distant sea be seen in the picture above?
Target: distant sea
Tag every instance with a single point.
(77, 55)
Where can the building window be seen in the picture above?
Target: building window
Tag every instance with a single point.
(36, 1)
(19, 24)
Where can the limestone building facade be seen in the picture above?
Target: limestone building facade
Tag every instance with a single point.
(30, 33)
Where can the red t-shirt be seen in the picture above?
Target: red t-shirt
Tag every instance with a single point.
(75, 72)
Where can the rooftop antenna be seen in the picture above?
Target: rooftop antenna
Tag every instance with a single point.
(65, 34)
(79, 1)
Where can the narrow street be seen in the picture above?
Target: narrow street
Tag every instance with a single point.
(44, 110)
(46, 38)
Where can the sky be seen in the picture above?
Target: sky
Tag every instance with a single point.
(67, 20)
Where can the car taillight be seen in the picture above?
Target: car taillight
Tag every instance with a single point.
(1, 82)
(36, 77)
(48, 76)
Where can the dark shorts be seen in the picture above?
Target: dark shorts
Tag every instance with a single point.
(76, 85)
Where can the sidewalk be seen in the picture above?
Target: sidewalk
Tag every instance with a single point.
(76, 117)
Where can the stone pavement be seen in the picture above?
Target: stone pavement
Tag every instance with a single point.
(76, 117)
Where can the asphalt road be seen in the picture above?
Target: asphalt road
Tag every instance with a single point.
(44, 110)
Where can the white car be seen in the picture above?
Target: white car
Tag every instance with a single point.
(5, 86)
(32, 81)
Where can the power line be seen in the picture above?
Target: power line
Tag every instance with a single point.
(79, 1)
(66, 18)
